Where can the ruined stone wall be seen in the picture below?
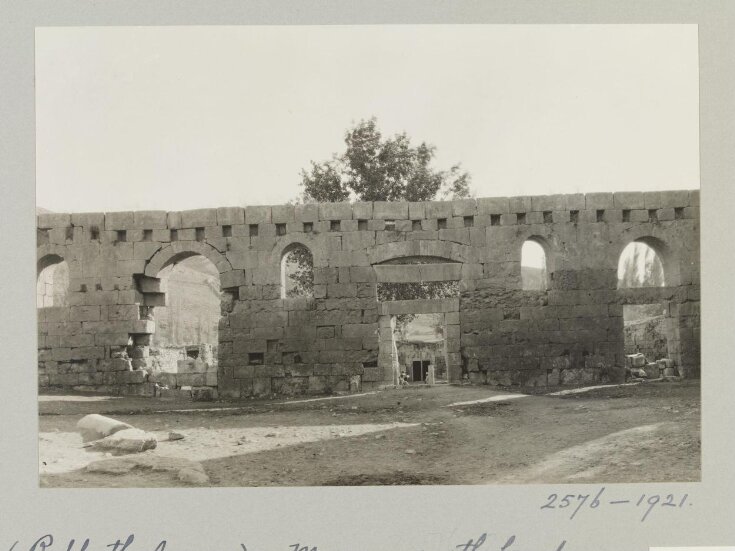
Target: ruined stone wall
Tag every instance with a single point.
(648, 337)
(571, 332)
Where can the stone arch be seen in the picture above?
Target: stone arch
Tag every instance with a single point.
(184, 344)
(48, 255)
(179, 250)
(314, 242)
(453, 252)
(663, 251)
(52, 278)
(283, 265)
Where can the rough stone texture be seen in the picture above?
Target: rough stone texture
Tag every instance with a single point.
(500, 334)
(94, 426)
(126, 441)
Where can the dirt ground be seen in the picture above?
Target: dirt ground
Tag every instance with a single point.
(649, 432)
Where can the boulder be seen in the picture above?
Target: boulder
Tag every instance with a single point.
(126, 441)
(202, 394)
(178, 469)
(93, 427)
(635, 360)
(193, 476)
(638, 372)
(653, 370)
(670, 372)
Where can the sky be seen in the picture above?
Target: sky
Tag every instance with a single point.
(176, 118)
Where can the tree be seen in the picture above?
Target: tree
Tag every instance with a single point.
(374, 168)
(298, 266)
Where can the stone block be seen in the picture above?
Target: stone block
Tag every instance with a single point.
(335, 211)
(404, 225)
(84, 313)
(257, 215)
(230, 216)
(629, 200)
(541, 203)
(439, 209)
(598, 201)
(639, 215)
(665, 214)
(362, 211)
(417, 210)
(508, 219)
(198, 218)
(464, 207)
(119, 220)
(693, 198)
(574, 201)
(53, 220)
(281, 214)
(520, 204)
(668, 199)
(306, 213)
(87, 219)
(493, 205)
(150, 219)
(390, 210)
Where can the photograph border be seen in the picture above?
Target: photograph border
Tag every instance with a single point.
(353, 517)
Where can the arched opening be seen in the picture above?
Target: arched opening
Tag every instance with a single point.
(419, 337)
(52, 284)
(640, 265)
(534, 272)
(183, 349)
(297, 272)
(648, 328)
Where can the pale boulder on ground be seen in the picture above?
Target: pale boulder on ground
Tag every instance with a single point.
(94, 427)
(178, 468)
(127, 441)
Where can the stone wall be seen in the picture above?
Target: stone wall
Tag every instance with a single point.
(648, 337)
(572, 332)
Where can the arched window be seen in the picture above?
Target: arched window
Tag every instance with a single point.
(534, 274)
(53, 283)
(297, 272)
(640, 265)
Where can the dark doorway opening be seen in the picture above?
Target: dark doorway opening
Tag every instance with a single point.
(420, 369)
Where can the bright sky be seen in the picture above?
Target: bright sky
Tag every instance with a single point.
(187, 117)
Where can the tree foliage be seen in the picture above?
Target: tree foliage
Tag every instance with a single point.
(641, 267)
(416, 291)
(377, 168)
(298, 265)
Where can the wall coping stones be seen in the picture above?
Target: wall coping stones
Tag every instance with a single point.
(378, 210)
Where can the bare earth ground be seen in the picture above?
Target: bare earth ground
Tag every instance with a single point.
(648, 432)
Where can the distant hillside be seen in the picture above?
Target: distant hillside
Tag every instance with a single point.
(533, 278)
(192, 310)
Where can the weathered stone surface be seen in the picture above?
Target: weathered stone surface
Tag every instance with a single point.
(94, 426)
(572, 332)
(128, 440)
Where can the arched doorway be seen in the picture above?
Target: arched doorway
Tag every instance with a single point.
(649, 329)
(52, 284)
(184, 346)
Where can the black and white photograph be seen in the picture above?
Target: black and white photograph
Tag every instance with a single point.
(368, 255)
